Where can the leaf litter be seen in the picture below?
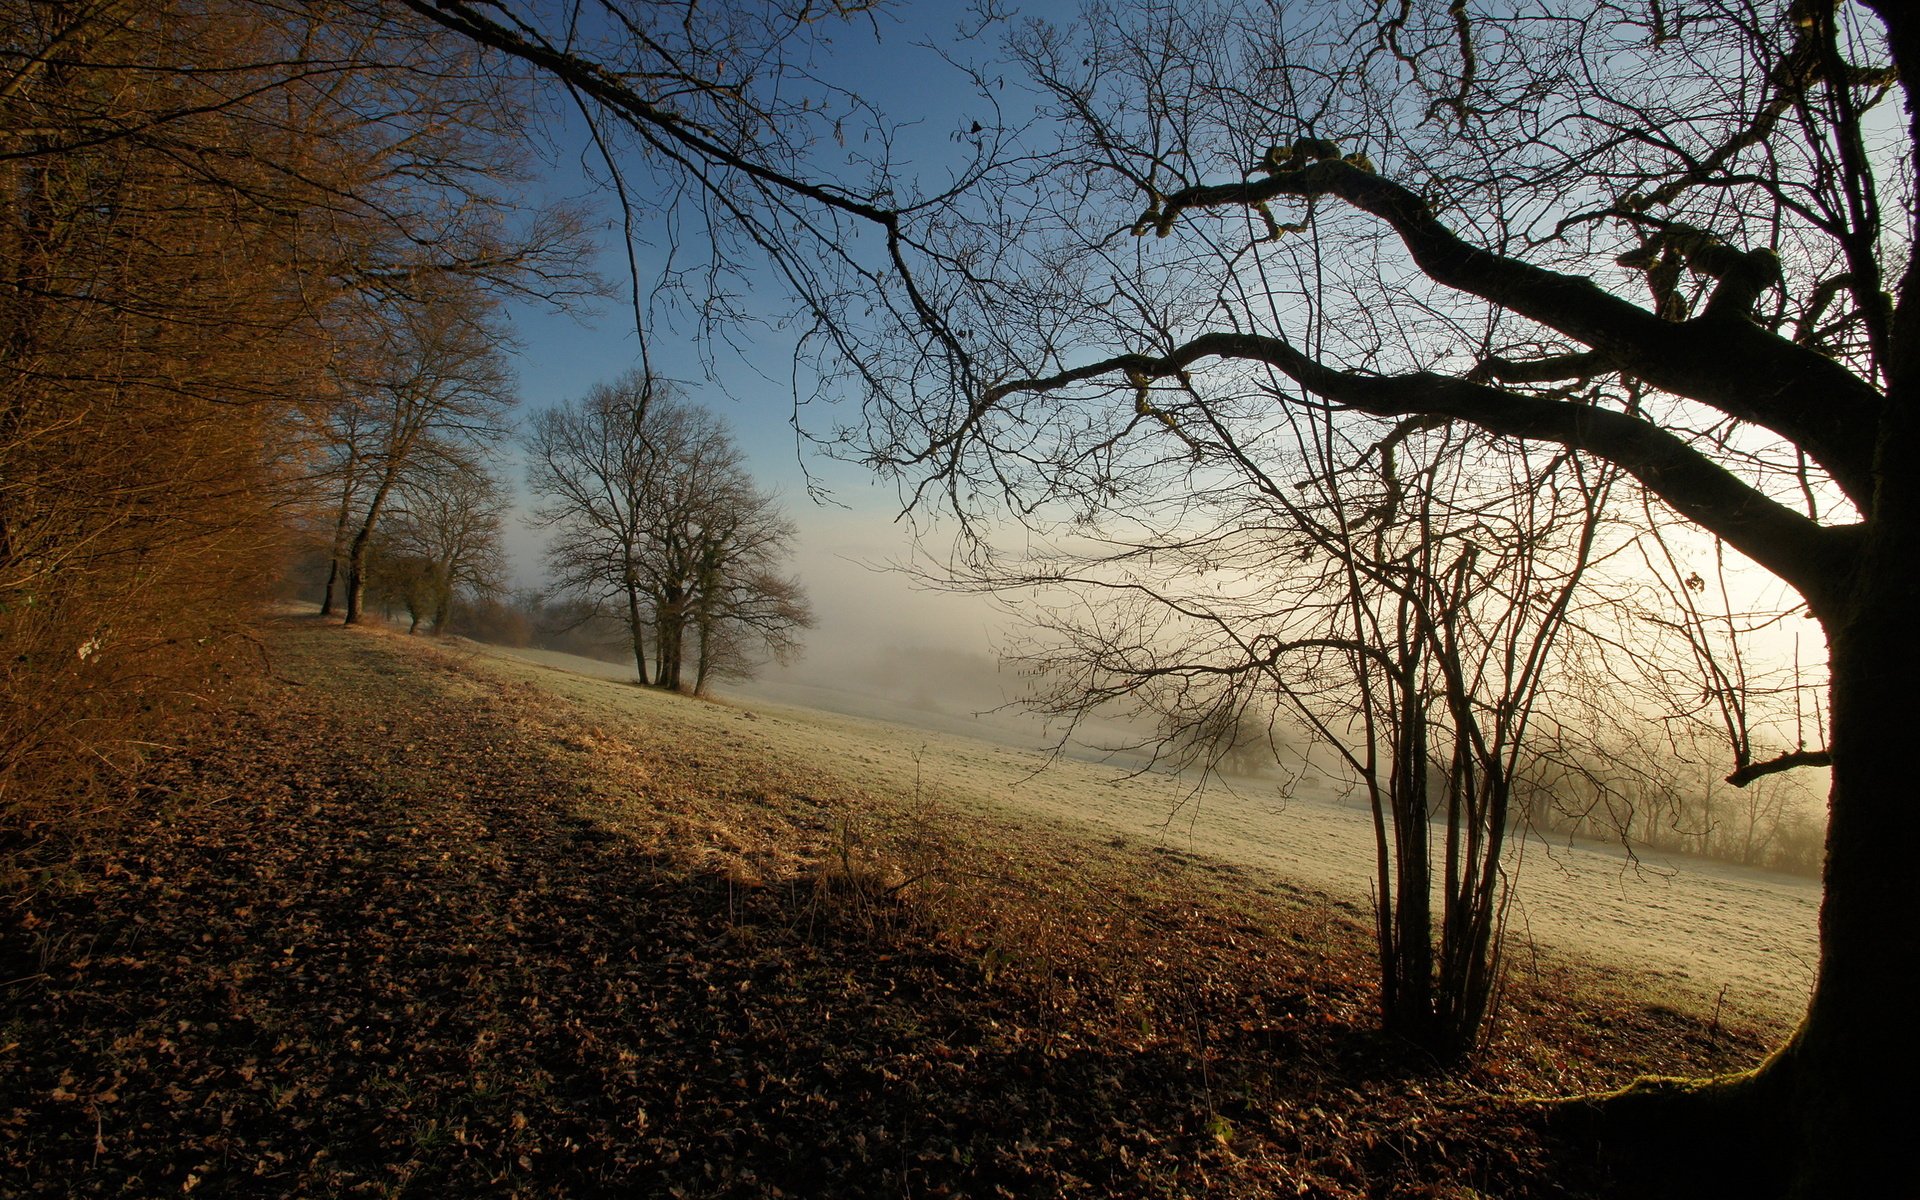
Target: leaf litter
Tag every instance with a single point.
(405, 925)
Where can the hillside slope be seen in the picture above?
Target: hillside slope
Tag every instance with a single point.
(405, 926)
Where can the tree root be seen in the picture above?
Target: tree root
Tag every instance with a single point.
(1724, 1136)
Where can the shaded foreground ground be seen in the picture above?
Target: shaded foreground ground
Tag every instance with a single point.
(405, 926)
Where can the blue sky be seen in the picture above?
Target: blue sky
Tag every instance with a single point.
(865, 613)
(886, 60)
(889, 64)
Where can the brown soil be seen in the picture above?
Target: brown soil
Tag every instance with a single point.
(402, 924)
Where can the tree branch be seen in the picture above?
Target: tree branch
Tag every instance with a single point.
(1786, 762)
(1554, 368)
(1810, 557)
(1721, 358)
(607, 88)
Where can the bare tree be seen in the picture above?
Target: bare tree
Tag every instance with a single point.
(653, 510)
(595, 473)
(1450, 586)
(435, 396)
(450, 522)
(195, 201)
(1392, 621)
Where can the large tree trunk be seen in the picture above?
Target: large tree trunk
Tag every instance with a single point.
(667, 651)
(1859, 1049)
(357, 576)
(333, 577)
(1829, 1114)
(1474, 911)
(636, 624)
(340, 520)
(440, 594)
(704, 620)
(670, 621)
(703, 657)
(358, 552)
(1410, 1008)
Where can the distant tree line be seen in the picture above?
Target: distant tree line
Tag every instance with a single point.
(1650, 797)
(1614, 785)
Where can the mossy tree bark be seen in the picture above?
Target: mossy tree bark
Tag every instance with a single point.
(1858, 1048)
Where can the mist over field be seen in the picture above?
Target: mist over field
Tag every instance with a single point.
(888, 645)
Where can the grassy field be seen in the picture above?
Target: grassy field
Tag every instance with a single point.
(1704, 935)
(414, 921)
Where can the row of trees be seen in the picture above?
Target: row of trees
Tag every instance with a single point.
(655, 518)
(1648, 799)
(1620, 788)
(207, 212)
